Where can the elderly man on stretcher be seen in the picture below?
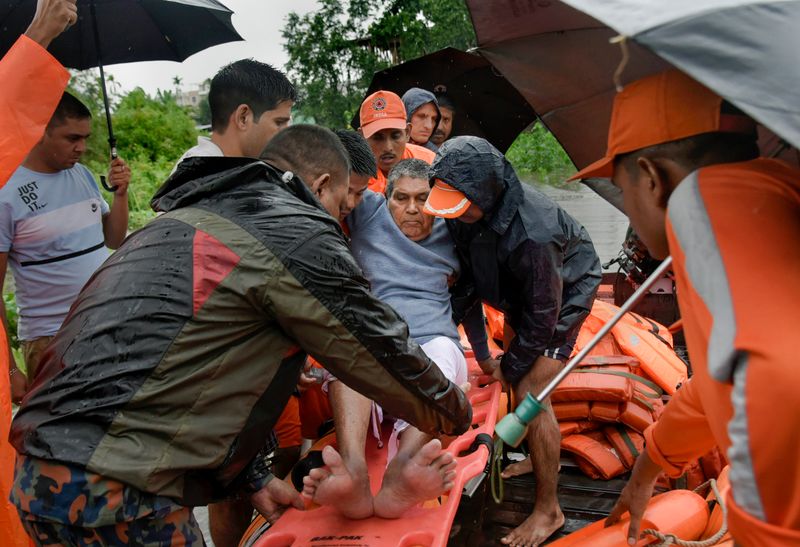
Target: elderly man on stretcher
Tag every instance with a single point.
(409, 259)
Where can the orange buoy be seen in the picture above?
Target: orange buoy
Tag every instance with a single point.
(679, 512)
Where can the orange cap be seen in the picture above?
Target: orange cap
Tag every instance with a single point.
(445, 201)
(382, 110)
(661, 108)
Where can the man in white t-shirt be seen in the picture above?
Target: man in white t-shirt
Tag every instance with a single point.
(249, 102)
(54, 229)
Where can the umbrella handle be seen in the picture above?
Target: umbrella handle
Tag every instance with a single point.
(112, 142)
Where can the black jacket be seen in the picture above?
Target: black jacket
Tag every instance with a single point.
(179, 354)
(527, 257)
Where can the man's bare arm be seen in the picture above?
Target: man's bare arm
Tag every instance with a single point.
(52, 17)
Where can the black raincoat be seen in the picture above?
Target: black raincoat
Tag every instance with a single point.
(180, 353)
(526, 257)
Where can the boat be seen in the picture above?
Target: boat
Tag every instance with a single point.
(470, 514)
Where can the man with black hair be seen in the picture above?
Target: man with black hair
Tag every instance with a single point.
(201, 323)
(447, 110)
(56, 226)
(362, 168)
(525, 256)
(695, 188)
(250, 102)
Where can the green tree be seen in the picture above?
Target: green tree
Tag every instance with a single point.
(334, 51)
(536, 154)
(152, 127)
(152, 133)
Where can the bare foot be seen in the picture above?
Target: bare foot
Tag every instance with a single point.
(347, 491)
(407, 482)
(535, 530)
(522, 467)
(516, 469)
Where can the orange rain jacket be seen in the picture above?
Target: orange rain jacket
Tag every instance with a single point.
(33, 82)
(378, 184)
(733, 233)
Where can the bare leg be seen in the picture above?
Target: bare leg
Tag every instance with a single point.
(420, 471)
(544, 438)
(228, 520)
(346, 485)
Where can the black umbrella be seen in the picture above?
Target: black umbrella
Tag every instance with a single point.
(124, 31)
(487, 105)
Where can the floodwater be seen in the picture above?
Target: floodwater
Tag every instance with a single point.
(605, 224)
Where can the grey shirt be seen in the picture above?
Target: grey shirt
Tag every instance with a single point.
(410, 276)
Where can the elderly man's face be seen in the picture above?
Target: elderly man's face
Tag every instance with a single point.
(405, 205)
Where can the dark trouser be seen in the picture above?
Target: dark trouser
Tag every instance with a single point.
(177, 529)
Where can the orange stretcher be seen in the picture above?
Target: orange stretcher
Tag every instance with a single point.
(427, 525)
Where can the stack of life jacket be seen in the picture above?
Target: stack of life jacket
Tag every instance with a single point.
(604, 406)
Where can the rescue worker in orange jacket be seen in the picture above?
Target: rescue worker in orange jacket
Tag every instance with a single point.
(384, 125)
(33, 82)
(694, 187)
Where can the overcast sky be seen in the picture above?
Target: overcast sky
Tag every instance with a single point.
(259, 22)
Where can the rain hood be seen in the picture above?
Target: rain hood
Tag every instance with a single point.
(415, 98)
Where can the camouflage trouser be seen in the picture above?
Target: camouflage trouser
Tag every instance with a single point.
(65, 505)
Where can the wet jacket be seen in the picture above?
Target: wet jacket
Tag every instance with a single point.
(526, 257)
(180, 353)
(413, 99)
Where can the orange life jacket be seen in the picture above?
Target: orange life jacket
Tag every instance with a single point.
(571, 410)
(594, 455)
(628, 444)
(378, 183)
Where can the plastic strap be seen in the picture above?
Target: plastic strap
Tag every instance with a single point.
(495, 478)
(628, 441)
(483, 439)
(656, 393)
(644, 402)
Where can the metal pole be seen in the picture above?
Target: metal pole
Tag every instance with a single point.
(632, 301)
(112, 142)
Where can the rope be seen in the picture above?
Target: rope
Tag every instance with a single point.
(670, 539)
(496, 479)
